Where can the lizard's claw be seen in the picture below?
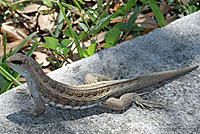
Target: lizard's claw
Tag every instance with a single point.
(143, 103)
(146, 104)
(30, 111)
(23, 92)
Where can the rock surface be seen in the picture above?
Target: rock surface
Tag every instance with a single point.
(174, 46)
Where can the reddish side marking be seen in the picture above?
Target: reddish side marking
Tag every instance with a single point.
(79, 108)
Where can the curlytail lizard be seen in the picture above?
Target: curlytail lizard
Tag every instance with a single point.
(48, 91)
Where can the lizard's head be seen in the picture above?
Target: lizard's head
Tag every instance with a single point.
(20, 63)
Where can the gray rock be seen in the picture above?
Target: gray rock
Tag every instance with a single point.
(174, 46)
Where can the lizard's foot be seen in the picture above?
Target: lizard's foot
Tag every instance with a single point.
(144, 103)
(39, 107)
(93, 78)
(23, 92)
(125, 100)
(30, 111)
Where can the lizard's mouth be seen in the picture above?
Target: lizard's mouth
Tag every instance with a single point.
(10, 64)
(8, 61)
(13, 61)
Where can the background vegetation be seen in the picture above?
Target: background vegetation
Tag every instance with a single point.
(60, 32)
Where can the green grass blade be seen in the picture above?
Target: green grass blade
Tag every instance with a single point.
(8, 84)
(157, 13)
(9, 76)
(81, 2)
(48, 59)
(77, 5)
(4, 49)
(22, 43)
(71, 7)
(99, 5)
(100, 25)
(130, 4)
(133, 18)
(6, 87)
(4, 45)
(71, 31)
(60, 22)
(29, 53)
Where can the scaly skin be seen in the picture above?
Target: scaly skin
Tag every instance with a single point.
(48, 91)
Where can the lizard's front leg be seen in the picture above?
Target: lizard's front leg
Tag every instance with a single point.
(125, 100)
(39, 104)
(23, 92)
(39, 107)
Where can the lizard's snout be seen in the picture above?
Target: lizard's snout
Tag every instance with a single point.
(8, 61)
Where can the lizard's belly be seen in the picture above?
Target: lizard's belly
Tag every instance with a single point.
(78, 107)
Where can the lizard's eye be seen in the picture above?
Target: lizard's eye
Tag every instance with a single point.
(17, 62)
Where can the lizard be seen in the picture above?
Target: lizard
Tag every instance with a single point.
(104, 92)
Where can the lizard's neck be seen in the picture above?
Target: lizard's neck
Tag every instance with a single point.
(35, 75)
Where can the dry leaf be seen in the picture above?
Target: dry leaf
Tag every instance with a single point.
(142, 21)
(128, 38)
(164, 9)
(46, 70)
(22, 79)
(112, 21)
(102, 45)
(185, 2)
(45, 22)
(34, 8)
(41, 58)
(170, 19)
(116, 6)
(86, 44)
(99, 37)
(146, 21)
(13, 33)
(11, 45)
(147, 30)
(1, 40)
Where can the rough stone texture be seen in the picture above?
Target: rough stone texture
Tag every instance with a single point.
(174, 46)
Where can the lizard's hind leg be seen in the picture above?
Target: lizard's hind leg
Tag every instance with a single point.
(126, 100)
(93, 78)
